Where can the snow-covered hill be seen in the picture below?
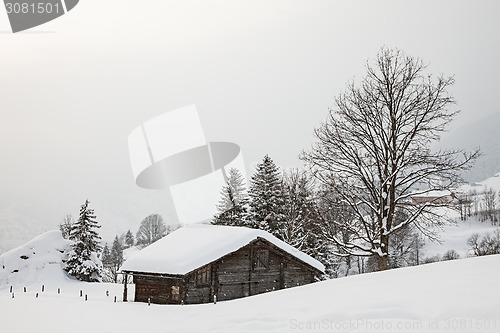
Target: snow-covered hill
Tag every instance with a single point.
(17, 228)
(489, 183)
(36, 262)
(461, 295)
(455, 236)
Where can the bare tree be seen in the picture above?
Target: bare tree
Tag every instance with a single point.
(490, 209)
(489, 244)
(152, 228)
(374, 151)
(65, 225)
(465, 202)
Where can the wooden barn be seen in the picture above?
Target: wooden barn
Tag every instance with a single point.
(196, 263)
(435, 197)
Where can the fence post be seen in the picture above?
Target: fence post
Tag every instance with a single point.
(125, 287)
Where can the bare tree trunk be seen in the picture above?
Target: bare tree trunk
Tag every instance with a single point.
(382, 263)
(348, 264)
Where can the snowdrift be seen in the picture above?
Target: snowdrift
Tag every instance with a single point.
(38, 261)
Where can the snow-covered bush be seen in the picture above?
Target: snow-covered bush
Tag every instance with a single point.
(432, 259)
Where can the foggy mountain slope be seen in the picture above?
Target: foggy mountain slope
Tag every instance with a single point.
(17, 229)
(481, 133)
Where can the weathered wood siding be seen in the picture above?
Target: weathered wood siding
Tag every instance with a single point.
(238, 276)
(196, 292)
(233, 275)
(159, 289)
(295, 275)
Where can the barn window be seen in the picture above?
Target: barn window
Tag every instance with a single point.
(203, 276)
(261, 259)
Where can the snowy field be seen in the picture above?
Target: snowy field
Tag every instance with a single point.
(455, 236)
(454, 296)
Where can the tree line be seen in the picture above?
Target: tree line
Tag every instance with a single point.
(482, 204)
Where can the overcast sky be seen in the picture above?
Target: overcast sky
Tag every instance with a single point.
(261, 73)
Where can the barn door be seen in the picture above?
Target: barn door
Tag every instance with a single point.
(175, 294)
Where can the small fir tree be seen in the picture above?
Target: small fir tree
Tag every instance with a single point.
(106, 256)
(232, 208)
(116, 258)
(129, 239)
(83, 262)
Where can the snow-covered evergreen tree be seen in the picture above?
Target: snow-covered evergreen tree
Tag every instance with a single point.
(129, 239)
(266, 199)
(106, 256)
(232, 208)
(298, 210)
(116, 258)
(83, 262)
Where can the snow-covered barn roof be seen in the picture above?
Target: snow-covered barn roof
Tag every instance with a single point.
(432, 194)
(194, 246)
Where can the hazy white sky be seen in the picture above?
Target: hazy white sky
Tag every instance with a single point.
(261, 73)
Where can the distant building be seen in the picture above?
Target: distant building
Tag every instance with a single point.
(197, 262)
(437, 197)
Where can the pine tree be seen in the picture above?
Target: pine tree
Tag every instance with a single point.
(266, 199)
(129, 239)
(107, 275)
(83, 262)
(299, 211)
(232, 208)
(116, 258)
(106, 256)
